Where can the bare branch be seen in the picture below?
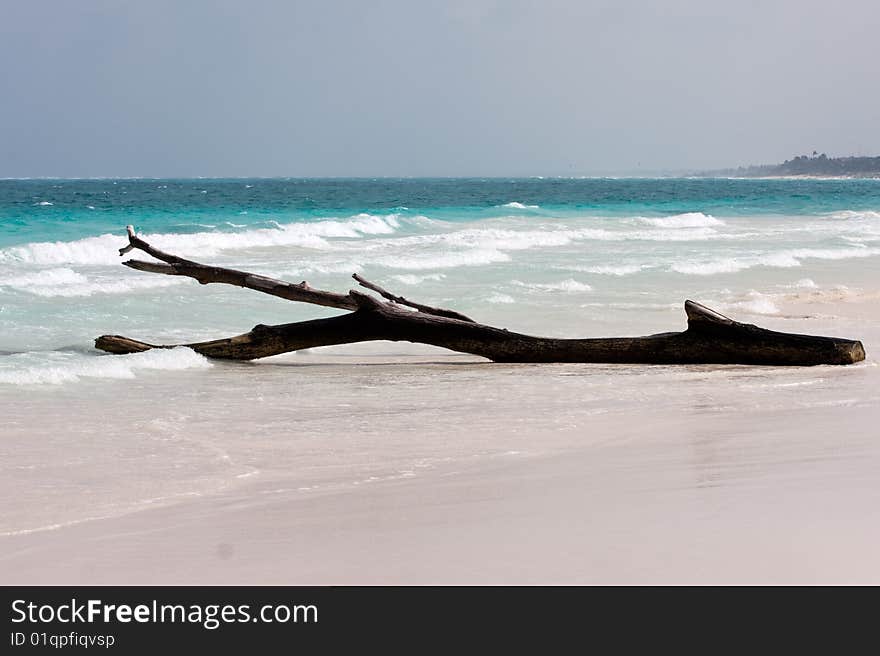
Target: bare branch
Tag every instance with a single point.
(177, 266)
(400, 300)
(136, 242)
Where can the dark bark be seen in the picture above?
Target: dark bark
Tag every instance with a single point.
(710, 337)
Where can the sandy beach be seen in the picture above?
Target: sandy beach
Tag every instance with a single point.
(755, 475)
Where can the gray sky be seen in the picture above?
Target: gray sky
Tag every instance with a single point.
(470, 87)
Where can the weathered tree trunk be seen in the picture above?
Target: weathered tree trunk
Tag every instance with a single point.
(709, 338)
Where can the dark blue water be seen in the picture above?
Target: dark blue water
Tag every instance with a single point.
(41, 210)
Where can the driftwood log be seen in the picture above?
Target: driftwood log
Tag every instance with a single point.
(710, 338)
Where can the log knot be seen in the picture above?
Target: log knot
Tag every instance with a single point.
(366, 302)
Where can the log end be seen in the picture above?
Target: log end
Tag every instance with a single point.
(730, 341)
(839, 351)
(855, 352)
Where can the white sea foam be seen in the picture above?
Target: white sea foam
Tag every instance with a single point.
(500, 298)
(69, 368)
(64, 282)
(91, 250)
(309, 267)
(833, 253)
(413, 279)
(104, 248)
(513, 240)
(609, 270)
(782, 259)
(635, 306)
(486, 245)
(569, 286)
(520, 206)
(754, 303)
(484, 238)
(44, 278)
(856, 214)
(447, 260)
(686, 220)
(735, 264)
(710, 267)
(672, 234)
(44, 203)
(478, 246)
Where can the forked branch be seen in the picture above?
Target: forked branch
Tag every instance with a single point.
(302, 292)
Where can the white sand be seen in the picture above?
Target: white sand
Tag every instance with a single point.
(749, 501)
(754, 491)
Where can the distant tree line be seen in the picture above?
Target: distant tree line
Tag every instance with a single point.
(815, 164)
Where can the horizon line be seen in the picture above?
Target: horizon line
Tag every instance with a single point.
(609, 176)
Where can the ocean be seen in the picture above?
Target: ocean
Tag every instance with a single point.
(85, 435)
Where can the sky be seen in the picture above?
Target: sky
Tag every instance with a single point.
(222, 88)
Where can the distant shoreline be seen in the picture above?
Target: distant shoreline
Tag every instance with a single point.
(789, 177)
(815, 166)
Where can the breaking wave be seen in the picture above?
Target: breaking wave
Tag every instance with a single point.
(570, 286)
(104, 249)
(753, 303)
(448, 260)
(367, 234)
(608, 270)
(519, 206)
(413, 279)
(856, 214)
(686, 220)
(782, 259)
(63, 282)
(69, 368)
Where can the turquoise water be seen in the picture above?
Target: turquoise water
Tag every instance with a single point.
(43, 210)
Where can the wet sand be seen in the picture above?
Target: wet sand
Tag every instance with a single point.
(778, 497)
